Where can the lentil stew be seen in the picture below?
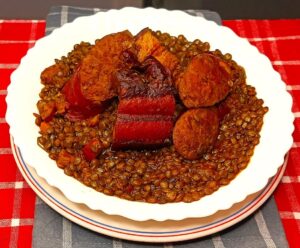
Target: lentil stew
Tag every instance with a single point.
(82, 147)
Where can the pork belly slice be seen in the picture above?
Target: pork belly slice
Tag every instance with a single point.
(163, 105)
(144, 122)
(142, 131)
(146, 106)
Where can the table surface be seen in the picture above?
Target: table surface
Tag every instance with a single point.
(278, 39)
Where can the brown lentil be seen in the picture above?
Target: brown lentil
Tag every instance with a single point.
(160, 175)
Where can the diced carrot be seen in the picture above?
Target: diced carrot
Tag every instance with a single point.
(61, 105)
(64, 159)
(93, 121)
(92, 149)
(47, 109)
(45, 127)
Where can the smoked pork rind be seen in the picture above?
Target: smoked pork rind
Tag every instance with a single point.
(147, 44)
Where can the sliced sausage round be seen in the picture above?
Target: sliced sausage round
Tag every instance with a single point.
(204, 82)
(195, 132)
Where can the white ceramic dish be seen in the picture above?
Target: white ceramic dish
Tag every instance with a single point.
(145, 231)
(276, 133)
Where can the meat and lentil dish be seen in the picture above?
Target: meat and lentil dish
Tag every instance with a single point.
(151, 117)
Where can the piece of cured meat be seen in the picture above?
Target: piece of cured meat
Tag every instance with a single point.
(162, 105)
(147, 44)
(146, 106)
(78, 107)
(142, 132)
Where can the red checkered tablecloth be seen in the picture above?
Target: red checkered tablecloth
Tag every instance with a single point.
(278, 39)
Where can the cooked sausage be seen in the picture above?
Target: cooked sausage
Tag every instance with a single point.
(98, 67)
(204, 82)
(195, 132)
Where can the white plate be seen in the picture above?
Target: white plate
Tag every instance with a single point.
(276, 138)
(145, 231)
